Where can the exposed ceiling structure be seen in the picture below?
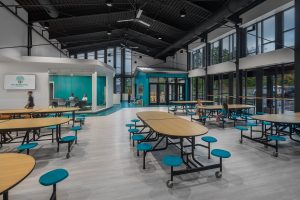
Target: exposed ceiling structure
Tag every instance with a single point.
(155, 27)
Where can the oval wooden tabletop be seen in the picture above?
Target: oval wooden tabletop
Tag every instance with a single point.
(177, 127)
(191, 102)
(57, 110)
(32, 123)
(279, 118)
(13, 169)
(230, 106)
(154, 115)
(18, 111)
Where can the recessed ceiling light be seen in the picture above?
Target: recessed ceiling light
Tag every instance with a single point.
(108, 32)
(109, 3)
(159, 38)
(182, 13)
(46, 25)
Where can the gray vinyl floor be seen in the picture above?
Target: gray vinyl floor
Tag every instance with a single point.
(104, 166)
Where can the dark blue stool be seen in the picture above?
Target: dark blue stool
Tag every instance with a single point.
(67, 139)
(277, 139)
(132, 131)
(27, 147)
(241, 128)
(220, 153)
(172, 161)
(145, 147)
(209, 140)
(52, 128)
(52, 178)
(75, 129)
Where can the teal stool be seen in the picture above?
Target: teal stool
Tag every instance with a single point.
(172, 109)
(67, 139)
(129, 125)
(52, 115)
(172, 161)
(80, 119)
(220, 153)
(52, 178)
(203, 119)
(191, 114)
(137, 137)
(27, 147)
(145, 147)
(52, 128)
(209, 140)
(260, 113)
(75, 129)
(251, 125)
(135, 121)
(241, 128)
(277, 139)
(132, 131)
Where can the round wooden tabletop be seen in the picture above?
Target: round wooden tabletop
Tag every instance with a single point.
(14, 168)
(39, 110)
(31, 123)
(191, 102)
(18, 111)
(279, 118)
(230, 107)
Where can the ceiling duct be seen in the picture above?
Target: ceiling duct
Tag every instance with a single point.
(223, 14)
(49, 8)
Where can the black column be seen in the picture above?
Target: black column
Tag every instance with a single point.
(237, 62)
(297, 56)
(230, 77)
(29, 39)
(206, 64)
(259, 89)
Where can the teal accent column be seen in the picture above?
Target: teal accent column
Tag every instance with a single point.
(101, 83)
(187, 89)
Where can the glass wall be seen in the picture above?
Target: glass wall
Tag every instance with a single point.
(110, 57)
(118, 61)
(81, 56)
(91, 55)
(198, 58)
(268, 35)
(128, 62)
(289, 27)
(215, 53)
(128, 85)
(100, 55)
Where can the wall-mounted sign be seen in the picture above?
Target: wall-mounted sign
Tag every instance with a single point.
(19, 82)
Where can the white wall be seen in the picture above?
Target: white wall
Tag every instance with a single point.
(145, 61)
(18, 98)
(14, 32)
(109, 91)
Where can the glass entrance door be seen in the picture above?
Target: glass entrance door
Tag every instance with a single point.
(153, 94)
(162, 90)
(181, 92)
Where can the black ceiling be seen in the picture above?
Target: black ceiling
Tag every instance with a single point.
(82, 25)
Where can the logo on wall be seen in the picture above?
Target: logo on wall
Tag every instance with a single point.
(20, 79)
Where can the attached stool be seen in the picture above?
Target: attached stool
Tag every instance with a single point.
(260, 113)
(129, 125)
(137, 137)
(191, 114)
(52, 128)
(132, 131)
(52, 178)
(67, 139)
(27, 147)
(276, 138)
(241, 128)
(209, 139)
(135, 121)
(172, 109)
(203, 118)
(80, 119)
(251, 125)
(172, 161)
(75, 129)
(220, 154)
(52, 115)
(145, 147)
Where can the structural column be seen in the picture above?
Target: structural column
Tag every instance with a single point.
(297, 56)
(29, 39)
(206, 63)
(94, 91)
(237, 62)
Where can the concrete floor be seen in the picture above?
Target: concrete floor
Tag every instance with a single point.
(104, 166)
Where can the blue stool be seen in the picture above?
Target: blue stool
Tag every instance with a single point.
(172, 161)
(132, 131)
(277, 139)
(203, 119)
(209, 140)
(52, 128)
(27, 147)
(191, 114)
(220, 154)
(137, 137)
(251, 125)
(172, 109)
(241, 128)
(67, 139)
(80, 119)
(260, 113)
(129, 125)
(145, 147)
(135, 121)
(52, 115)
(52, 178)
(75, 129)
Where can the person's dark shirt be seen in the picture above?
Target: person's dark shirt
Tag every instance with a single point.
(30, 102)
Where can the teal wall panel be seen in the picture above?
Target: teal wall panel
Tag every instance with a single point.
(79, 85)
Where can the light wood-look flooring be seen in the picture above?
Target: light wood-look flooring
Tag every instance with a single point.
(104, 166)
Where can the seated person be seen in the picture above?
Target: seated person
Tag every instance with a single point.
(198, 110)
(223, 113)
(71, 98)
(30, 102)
(84, 98)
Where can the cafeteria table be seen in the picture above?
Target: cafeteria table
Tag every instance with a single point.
(14, 168)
